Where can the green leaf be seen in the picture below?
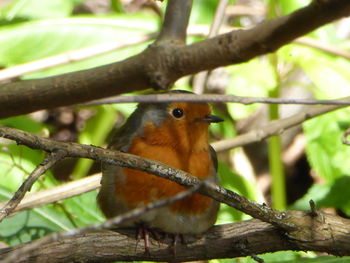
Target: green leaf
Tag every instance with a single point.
(289, 6)
(254, 78)
(334, 195)
(83, 209)
(24, 123)
(28, 225)
(16, 162)
(203, 11)
(338, 195)
(239, 184)
(316, 193)
(325, 151)
(30, 41)
(323, 69)
(38, 9)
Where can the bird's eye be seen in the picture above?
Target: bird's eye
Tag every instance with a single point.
(178, 113)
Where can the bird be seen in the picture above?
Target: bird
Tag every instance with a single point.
(175, 134)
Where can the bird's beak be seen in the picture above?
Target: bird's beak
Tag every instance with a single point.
(210, 118)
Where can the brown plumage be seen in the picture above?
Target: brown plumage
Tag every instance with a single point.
(175, 134)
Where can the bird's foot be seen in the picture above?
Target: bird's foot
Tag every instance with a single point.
(144, 232)
(175, 240)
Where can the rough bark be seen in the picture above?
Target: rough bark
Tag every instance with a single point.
(162, 64)
(323, 232)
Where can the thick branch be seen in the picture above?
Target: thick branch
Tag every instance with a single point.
(326, 233)
(159, 66)
(24, 251)
(175, 21)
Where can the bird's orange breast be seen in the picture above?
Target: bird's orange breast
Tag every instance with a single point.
(141, 188)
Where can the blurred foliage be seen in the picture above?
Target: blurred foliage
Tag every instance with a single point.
(35, 29)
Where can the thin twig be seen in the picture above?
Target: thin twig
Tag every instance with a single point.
(273, 128)
(51, 160)
(25, 250)
(214, 98)
(58, 193)
(71, 56)
(317, 44)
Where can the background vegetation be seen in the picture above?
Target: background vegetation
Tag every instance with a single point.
(308, 163)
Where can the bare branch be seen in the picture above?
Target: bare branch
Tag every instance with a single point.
(273, 128)
(69, 57)
(58, 193)
(220, 194)
(160, 67)
(326, 233)
(330, 49)
(214, 98)
(25, 251)
(51, 160)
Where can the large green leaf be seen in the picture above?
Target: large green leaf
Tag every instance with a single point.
(24, 123)
(38, 9)
(16, 162)
(328, 73)
(239, 184)
(30, 41)
(254, 78)
(325, 151)
(83, 209)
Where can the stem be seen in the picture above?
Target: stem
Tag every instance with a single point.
(278, 190)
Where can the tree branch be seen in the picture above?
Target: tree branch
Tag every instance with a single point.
(160, 66)
(58, 193)
(27, 250)
(324, 232)
(213, 98)
(220, 194)
(175, 24)
(272, 128)
(51, 160)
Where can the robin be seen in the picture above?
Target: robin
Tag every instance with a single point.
(175, 134)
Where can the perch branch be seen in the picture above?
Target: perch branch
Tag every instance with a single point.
(32, 246)
(51, 160)
(220, 194)
(326, 233)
